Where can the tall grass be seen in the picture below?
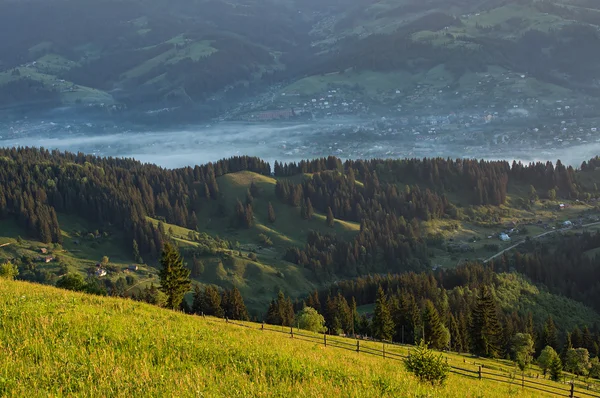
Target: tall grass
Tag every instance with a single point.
(59, 343)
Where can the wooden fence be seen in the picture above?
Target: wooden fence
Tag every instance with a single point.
(483, 372)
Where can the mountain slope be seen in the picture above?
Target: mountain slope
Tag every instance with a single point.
(55, 342)
(130, 53)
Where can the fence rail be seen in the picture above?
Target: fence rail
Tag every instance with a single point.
(483, 372)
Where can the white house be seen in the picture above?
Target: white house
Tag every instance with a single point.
(504, 237)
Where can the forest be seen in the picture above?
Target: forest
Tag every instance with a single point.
(387, 262)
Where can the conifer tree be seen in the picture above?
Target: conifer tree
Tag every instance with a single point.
(174, 277)
(330, 219)
(234, 306)
(197, 302)
(566, 347)
(136, 253)
(271, 213)
(455, 335)
(383, 326)
(303, 213)
(549, 336)
(211, 302)
(556, 369)
(576, 338)
(309, 209)
(433, 329)
(485, 328)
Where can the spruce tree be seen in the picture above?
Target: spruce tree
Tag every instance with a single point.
(197, 303)
(136, 253)
(383, 326)
(485, 328)
(576, 338)
(309, 209)
(433, 329)
(174, 276)
(555, 369)
(455, 335)
(550, 337)
(211, 302)
(303, 213)
(271, 213)
(234, 306)
(330, 219)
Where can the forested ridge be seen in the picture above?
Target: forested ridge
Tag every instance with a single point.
(37, 183)
(388, 198)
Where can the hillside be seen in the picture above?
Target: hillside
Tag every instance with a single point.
(62, 343)
(117, 55)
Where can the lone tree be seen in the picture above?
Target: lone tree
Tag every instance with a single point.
(174, 276)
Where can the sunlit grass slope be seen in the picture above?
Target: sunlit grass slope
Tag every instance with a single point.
(59, 343)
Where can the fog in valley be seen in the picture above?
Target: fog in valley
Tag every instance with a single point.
(345, 137)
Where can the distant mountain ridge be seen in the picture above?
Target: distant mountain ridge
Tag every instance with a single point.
(132, 53)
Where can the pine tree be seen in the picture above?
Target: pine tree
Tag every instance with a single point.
(174, 277)
(549, 337)
(433, 329)
(566, 347)
(556, 369)
(233, 305)
(271, 213)
(211, 302)
(576, 338)
(455, 335)
(330, 219)
(485, 328)
(303, 213)
(136, 253)
(383, 326)
(197, 302)
(309, 209)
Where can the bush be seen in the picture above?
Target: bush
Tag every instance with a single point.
(426, 365)
(310, 319)
(8, 271)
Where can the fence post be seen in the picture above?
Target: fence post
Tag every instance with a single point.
(383, 350)
(479, 373)
(325, 339)
(292, 332)
(572, 394)
(262, 326)
(522, 379)
(226, 320)
(357, 345)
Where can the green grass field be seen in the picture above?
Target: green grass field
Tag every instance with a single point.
(60, 343)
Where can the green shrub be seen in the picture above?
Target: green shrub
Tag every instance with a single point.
(426, 365)
(8, 271)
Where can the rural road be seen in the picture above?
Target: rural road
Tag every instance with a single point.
(535, 237)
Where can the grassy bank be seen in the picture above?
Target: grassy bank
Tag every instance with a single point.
(59, 343)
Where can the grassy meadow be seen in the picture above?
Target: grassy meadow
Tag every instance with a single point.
(60, 343)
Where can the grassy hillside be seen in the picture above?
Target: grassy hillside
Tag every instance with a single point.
(58, 343)
(259, 281)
